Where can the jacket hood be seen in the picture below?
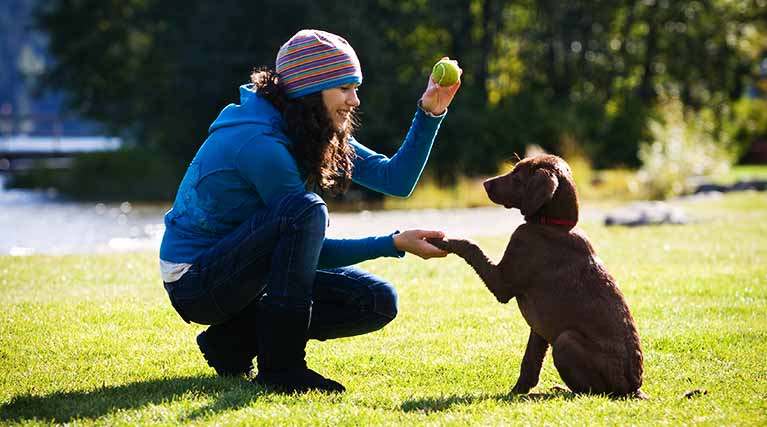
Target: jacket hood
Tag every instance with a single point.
(253, 109)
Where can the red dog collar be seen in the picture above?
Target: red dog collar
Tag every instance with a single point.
(545, 220)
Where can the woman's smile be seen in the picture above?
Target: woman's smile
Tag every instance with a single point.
(340, 102)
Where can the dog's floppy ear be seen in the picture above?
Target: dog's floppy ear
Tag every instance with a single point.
(540, 189)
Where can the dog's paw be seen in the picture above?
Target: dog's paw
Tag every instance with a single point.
(520, 389)
(439, 243)
(456, 246)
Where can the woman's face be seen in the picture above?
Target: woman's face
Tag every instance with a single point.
(340, 102)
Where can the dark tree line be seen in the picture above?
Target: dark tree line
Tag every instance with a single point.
(535, 71)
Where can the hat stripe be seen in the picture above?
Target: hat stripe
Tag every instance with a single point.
(308, 41)
(337, 80)
(314, 60)
(336, 68)
(304, 52)
(320, 86)
(308, 81)
(296, 71)
(310, 54)
(325, 70)
(303, 45)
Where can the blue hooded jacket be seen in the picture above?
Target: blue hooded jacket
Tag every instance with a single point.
(246, 163)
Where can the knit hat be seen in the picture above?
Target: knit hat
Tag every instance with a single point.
(314, 60)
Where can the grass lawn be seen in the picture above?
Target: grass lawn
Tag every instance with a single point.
(93, 340)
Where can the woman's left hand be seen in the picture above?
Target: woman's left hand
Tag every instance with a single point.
(414, 242)
(436, 98)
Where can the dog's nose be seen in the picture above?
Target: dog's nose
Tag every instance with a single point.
(488, 185)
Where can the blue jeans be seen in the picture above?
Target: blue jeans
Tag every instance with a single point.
(273, 256)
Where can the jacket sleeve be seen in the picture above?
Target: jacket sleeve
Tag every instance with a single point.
(398, 175)
(343, 252)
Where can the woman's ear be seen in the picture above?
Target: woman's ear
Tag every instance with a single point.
(540, 189)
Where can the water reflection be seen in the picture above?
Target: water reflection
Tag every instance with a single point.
(40, 222)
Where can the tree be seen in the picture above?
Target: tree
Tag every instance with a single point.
(535, 71)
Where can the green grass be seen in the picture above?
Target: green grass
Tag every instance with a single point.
(744, 172)
(92, 340)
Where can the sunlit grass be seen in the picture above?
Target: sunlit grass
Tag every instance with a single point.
(92, 340)
(467, 192)
(745, 172)
(603, 187)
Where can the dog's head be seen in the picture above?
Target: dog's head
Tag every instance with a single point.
(539, 185)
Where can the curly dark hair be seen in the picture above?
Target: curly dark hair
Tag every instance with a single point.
(323, 153)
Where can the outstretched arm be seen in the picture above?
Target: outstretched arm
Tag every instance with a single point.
(487, 270)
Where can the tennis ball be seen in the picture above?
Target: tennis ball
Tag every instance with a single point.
(446, 72)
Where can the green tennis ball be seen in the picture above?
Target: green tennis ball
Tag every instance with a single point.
(446, 72)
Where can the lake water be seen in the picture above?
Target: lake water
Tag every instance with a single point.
(41, 222)
(35, 222)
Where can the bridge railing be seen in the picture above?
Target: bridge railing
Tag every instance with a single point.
(40, 135)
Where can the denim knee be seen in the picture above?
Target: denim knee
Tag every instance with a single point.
(305, 208)
(385, 300)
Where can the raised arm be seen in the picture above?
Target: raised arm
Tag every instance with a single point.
(487, 270)
(398, 175)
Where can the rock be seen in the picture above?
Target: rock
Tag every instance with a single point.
(708, 188)
(753, 185)
(646, 213)
(747, 185)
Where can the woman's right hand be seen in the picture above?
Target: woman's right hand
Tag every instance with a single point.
(414, 242)
(436, 98)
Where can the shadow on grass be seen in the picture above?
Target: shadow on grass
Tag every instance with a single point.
(64, 407)
(443, 403)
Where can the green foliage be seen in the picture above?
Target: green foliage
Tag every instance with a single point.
(534, 71)
(136, 174)
(93, 340)
(747, 123)
(683, 147)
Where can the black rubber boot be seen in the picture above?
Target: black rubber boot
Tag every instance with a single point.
(282, 335)
(230, 347)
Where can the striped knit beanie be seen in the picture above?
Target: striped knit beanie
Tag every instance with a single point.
(314, 60)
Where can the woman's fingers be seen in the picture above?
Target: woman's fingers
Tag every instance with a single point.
(416, 243)
(437, 98)
(440, 243)
(425, 249)
(425, 234)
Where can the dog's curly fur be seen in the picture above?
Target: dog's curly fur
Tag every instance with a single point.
(563, 290)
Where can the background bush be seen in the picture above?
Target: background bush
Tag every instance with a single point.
(128, 174)
(683, 146)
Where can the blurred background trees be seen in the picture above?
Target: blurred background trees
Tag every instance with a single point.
(587, 74)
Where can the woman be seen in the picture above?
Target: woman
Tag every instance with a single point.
(244, 248)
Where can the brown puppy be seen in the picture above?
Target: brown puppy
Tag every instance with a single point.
(563, 289)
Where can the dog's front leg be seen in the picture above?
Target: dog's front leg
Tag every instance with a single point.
(487, 270)
(531, 364)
